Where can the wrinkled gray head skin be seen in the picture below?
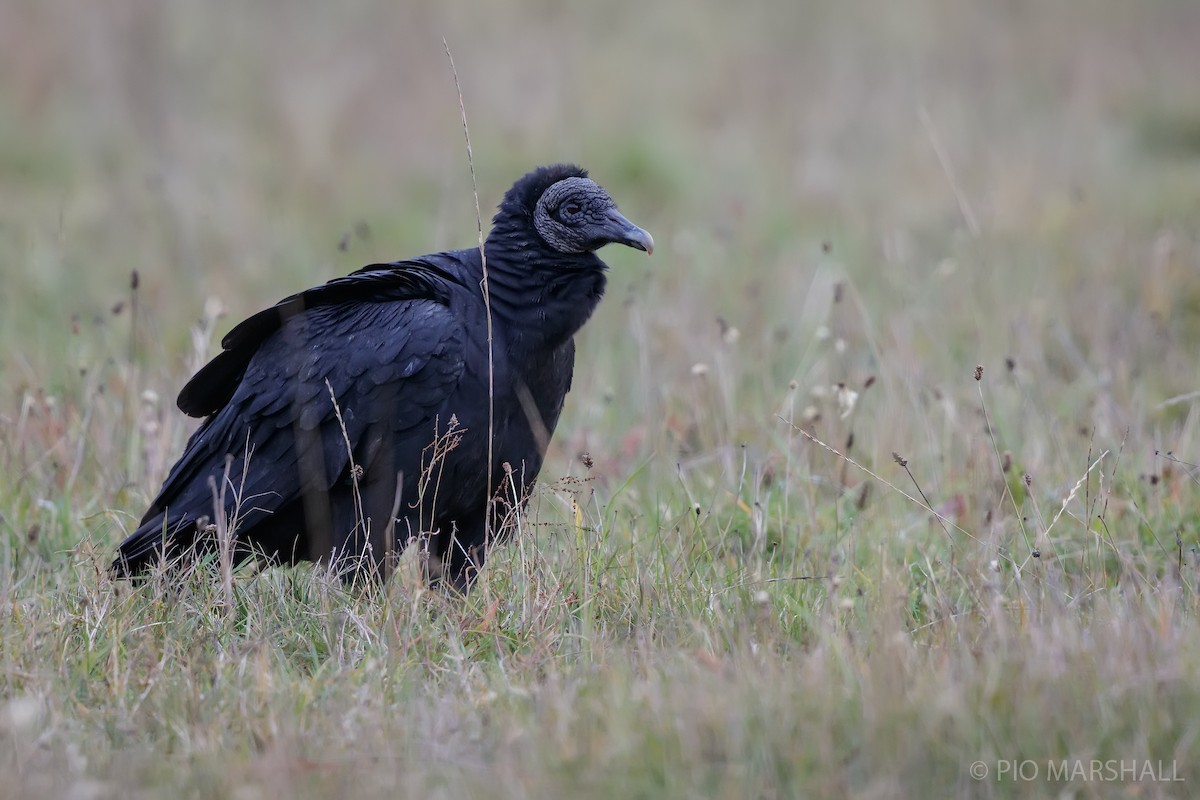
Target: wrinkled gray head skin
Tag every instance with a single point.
(576, 215)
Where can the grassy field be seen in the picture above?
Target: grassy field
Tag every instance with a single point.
(741, 590)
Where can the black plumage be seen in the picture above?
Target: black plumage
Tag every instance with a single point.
(400, 351)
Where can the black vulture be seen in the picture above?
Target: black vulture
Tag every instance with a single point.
(354, 418)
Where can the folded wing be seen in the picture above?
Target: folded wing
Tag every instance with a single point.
(380, 346)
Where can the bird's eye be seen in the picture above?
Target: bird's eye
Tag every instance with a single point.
(572, 208)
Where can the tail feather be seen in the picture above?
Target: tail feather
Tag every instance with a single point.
(157, 538)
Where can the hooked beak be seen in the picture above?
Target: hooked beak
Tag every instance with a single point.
(622, 231)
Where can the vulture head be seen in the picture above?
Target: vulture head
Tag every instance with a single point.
(570, 212)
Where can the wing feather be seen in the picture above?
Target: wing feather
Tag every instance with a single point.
(215, 384)
(389, 361)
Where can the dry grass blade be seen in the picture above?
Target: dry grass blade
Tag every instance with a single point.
(1074, 491)
(225, 532)
(362, 524)
(1000, 460)
(943, 158)
(484, 287)
(920, 503)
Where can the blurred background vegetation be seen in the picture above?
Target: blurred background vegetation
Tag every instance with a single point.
(876, 195)
(992, 179)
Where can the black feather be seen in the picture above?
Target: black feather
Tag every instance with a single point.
(400, 353)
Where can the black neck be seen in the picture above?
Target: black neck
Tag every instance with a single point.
(546, 296)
